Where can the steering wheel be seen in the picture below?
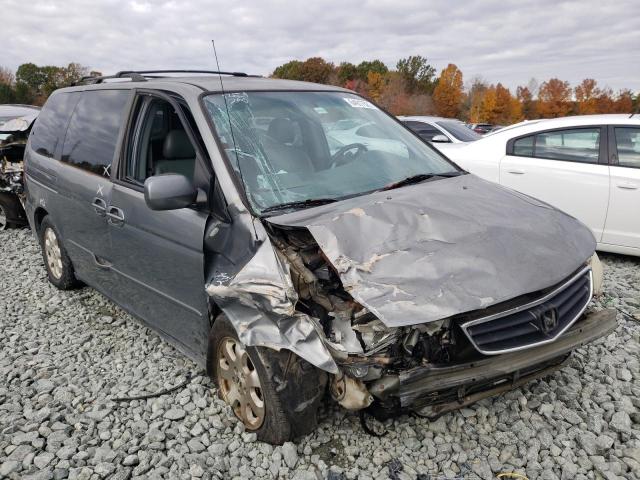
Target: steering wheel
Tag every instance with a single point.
(340, 157)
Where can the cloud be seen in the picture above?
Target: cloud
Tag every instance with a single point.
(508, 40)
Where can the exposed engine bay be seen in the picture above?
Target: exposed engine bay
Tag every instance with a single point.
(16, 122)
(361, 344)
(357, 336)
(11, 167)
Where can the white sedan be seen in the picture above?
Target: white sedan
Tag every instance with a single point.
(588, 166)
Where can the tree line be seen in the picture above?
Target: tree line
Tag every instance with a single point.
(32, 84)
(415, 88)
(412, 88)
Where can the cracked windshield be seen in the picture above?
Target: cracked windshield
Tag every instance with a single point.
(316, 147)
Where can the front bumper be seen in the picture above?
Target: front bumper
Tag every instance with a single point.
(445, 388)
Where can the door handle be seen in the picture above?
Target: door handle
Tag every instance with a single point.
(516, 171)
(99, 206)
(628, 186)
(115, 216)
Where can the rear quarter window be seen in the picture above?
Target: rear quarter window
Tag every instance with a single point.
(93, 131)
(523, 147)
(49, 129)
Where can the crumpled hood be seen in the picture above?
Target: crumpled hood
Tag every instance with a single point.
(425, 252)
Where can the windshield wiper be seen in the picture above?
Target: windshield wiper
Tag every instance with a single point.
(421, 177)
(312, 202)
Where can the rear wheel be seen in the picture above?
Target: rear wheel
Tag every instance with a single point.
(59, 268)
(275, 394)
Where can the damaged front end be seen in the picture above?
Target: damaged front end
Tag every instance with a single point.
(16, 122)
(418, 303)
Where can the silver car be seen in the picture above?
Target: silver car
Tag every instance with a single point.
(214, 208)
(440, 129)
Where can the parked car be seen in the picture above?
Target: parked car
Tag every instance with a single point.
(588, 166)
(440, 129)
(368, 134)
(399, 282)
(15, 125)
(482, 128)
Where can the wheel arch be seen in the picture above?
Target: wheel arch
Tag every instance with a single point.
(38, 216)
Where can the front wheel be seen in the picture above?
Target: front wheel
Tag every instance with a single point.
(10, 210)
(275, 394)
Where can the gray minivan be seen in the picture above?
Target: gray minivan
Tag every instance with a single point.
(234, 215)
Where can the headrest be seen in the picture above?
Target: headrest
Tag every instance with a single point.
(281, 129)
(178, 145)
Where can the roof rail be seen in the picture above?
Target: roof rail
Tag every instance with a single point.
(212, 72)
(91, 80)
(142, 75)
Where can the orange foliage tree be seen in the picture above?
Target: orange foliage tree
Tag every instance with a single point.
(448, 94)
(554, 99)
(587, 96)
(411, 89)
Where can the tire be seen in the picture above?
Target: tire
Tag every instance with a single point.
(56, 261)
(290, 389)
(10, 210)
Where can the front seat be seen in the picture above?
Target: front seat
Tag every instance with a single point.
(178, 154)
(282, 154)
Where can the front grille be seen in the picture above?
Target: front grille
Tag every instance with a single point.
(535, 323)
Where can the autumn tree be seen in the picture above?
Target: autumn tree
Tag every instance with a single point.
(624, 102)
(375, 85)
(554, 98)
(473, 99)
(507, 109)
(528, 105)
(587, 95)
(448, 94)
(417, 73)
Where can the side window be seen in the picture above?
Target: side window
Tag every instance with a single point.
(523, 147)
(48, 132)
(424, 130)
(159, 143)
(93, 130)
(628, 145)
(574, 145)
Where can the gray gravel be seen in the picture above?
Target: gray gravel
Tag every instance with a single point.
(65, 355)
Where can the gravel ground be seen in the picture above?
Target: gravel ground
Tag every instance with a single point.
(66, 355)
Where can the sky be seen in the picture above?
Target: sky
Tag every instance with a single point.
(508, 41)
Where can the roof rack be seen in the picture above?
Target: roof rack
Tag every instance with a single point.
(142, 75)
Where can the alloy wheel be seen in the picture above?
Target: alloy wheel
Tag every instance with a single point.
(239, 383)
(53, 253)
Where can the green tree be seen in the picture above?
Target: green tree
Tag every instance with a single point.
(375, 66)
(417, 73)
(7, 93)
(314, 69)
(347, 71)
(290, 70)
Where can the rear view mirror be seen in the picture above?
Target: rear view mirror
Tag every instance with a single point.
(440, 138)
(169, 192)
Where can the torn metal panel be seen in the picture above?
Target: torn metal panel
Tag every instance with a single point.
(259, 300)
(429, 251)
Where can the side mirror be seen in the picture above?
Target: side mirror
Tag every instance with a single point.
(440, 138)
(169, 192)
